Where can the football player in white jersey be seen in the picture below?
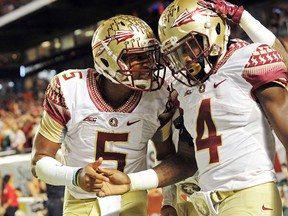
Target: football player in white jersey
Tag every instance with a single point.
(233, 94)
(258, 33)
(108, 114)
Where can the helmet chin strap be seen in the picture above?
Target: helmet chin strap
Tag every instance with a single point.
(113, 56)
(107, 75)
(109, 51)
(145, 83)
(104, 73)
(207, 26)
(226, 40)
(207, 66)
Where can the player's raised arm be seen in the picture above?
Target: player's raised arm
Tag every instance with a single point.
(256, 31)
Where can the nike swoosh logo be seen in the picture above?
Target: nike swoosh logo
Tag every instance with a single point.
(217, 84)
(133, 122)
(265, 208)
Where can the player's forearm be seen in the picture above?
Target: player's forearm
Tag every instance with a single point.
(174, 170)
(170, 171)
(53, 172)
(255, 30)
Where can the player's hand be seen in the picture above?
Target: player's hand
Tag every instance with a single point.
(168, 210)
(89, 179)
(119, 183)
(224, 9)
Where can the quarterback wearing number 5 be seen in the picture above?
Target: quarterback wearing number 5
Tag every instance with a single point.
(110, 112)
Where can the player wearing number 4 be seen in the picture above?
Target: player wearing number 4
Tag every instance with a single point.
(110, 112)
(232, 94)
(258, 33)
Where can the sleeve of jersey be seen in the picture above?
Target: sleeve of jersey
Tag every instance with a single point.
(56, 113)
(51, 129)
(264, 66)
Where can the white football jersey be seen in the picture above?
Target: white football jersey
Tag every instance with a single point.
(234, 145)
(93, 129)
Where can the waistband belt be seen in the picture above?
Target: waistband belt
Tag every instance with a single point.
(219, 196)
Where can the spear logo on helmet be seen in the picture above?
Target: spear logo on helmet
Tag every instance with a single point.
(186, 16)
(120, 36)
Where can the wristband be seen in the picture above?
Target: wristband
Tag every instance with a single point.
(53, 172)
(255, 30)
(75, 177)
(143, 180)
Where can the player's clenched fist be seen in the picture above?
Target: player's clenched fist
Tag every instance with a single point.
(224, 9)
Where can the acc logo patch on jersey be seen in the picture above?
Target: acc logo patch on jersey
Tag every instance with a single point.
(90, 119)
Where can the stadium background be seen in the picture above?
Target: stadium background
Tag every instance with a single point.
(40, 38)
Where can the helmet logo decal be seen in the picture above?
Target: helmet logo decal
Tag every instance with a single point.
(120, 36)
(186, 16)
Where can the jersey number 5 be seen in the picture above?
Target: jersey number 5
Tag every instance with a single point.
(120, 158)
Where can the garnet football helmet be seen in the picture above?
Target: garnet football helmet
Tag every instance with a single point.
(125, 51)
(193, 39)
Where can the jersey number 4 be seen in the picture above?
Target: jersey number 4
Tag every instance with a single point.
(210, 140)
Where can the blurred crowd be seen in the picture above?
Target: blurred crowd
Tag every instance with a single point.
(19, 117)
(49, 204)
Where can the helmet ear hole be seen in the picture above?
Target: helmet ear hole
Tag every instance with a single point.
(218, 29)
(105, 62)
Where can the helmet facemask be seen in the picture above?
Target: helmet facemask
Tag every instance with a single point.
(141, 67)
(189, 58)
